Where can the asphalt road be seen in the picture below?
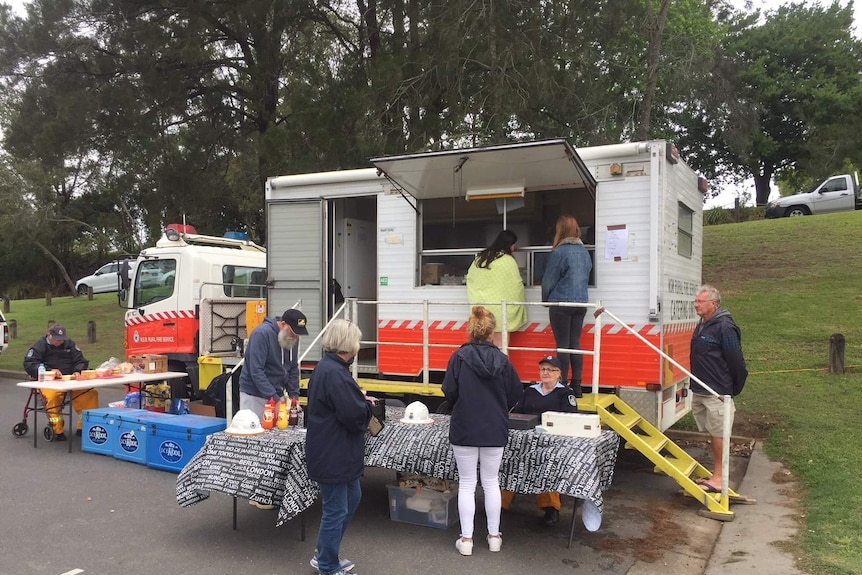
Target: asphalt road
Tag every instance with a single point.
(81, 513)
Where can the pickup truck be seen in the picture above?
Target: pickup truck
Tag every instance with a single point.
(837, 194)
(4, 332)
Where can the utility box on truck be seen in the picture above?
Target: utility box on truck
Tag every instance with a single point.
(188, 299)
(423, 218)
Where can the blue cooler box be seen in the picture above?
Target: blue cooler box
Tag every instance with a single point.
(99, 432)
(131, 444)
(172, 442)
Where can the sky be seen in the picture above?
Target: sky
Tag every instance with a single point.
(728, 194)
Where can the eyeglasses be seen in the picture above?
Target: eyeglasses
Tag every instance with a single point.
(548, 369)
(703, 300)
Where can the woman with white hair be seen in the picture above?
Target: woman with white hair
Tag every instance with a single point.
(338, 414)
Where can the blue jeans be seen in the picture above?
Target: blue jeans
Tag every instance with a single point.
(340, 501)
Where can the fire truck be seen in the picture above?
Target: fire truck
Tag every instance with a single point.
(396, 240)
(189, 297)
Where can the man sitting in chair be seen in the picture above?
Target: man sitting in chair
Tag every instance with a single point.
(59, 353)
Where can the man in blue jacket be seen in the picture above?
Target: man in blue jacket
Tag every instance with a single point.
(270, 363)
(716, 360)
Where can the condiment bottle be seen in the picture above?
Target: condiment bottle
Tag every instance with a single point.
(294, 412)
(268, 415)
(282, 415)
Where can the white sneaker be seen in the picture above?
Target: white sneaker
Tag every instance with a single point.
(494, 543)
(464, 547)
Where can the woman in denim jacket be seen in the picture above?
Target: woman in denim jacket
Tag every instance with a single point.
(565, 280)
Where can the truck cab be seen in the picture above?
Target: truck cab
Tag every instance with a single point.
(837, 194)
(188, 297)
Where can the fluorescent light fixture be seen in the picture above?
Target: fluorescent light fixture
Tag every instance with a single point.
(495, 192)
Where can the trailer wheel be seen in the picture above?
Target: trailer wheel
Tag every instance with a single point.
(797, 211)
(20, 429)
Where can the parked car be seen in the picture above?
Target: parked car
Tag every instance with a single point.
(152, 276)
(103, 280)
(4, 332)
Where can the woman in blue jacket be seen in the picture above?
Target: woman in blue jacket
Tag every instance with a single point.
(481, 386)
(565, 280)
(338, 416)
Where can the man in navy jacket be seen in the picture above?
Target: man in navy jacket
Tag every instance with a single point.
(271, 361)
(716, 360)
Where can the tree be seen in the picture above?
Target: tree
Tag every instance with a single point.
(785, 95)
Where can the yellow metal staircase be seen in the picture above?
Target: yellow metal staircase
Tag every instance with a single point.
(668, 457)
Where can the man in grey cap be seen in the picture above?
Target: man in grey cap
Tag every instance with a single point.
(271, 361)
(60, 354)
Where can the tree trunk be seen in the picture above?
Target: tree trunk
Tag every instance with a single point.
(656, 31)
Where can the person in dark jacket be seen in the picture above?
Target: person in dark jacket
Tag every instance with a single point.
(338, 414)
(271, 361)
(566, 278)
(59, 353)
(481, 386)
(716, 360)
(550, 394)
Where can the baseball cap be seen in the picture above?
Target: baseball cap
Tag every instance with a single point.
(550, 359)
(296, 320)
(58, 333)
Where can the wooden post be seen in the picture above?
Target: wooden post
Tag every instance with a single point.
(91, 327)
(836, 354)
(48, 298)
(90, 295)
(13, 329)
(6, 305)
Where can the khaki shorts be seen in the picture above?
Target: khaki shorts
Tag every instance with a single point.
(708, 412)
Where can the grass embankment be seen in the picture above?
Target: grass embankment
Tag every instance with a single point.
(790, 285)
(33, 317)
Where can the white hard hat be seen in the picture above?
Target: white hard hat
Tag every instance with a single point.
(416, 412)
(245, 422)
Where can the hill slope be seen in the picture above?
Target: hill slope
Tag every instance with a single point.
(790, 284)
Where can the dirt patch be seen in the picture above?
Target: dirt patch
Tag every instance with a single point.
(663, 534)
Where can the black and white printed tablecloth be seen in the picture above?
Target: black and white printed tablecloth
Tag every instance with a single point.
(532, 462)
(270, 468)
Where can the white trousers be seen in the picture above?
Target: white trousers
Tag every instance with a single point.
(487, 460)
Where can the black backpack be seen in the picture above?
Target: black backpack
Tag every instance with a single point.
(215, 395)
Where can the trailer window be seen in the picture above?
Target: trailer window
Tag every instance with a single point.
(685, 230)
(453, 230)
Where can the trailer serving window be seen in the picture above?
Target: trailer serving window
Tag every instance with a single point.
(453, 230)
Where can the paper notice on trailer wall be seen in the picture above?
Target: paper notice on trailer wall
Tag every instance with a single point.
(616, 243)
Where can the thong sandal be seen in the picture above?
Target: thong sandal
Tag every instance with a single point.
(709, 488)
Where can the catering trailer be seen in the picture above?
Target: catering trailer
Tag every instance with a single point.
(395, 241)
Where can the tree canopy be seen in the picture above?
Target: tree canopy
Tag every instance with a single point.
(120, 116)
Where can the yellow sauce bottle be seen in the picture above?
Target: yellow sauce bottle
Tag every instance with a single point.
(282, 415)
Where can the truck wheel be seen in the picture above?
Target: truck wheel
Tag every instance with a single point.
(797, 211)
